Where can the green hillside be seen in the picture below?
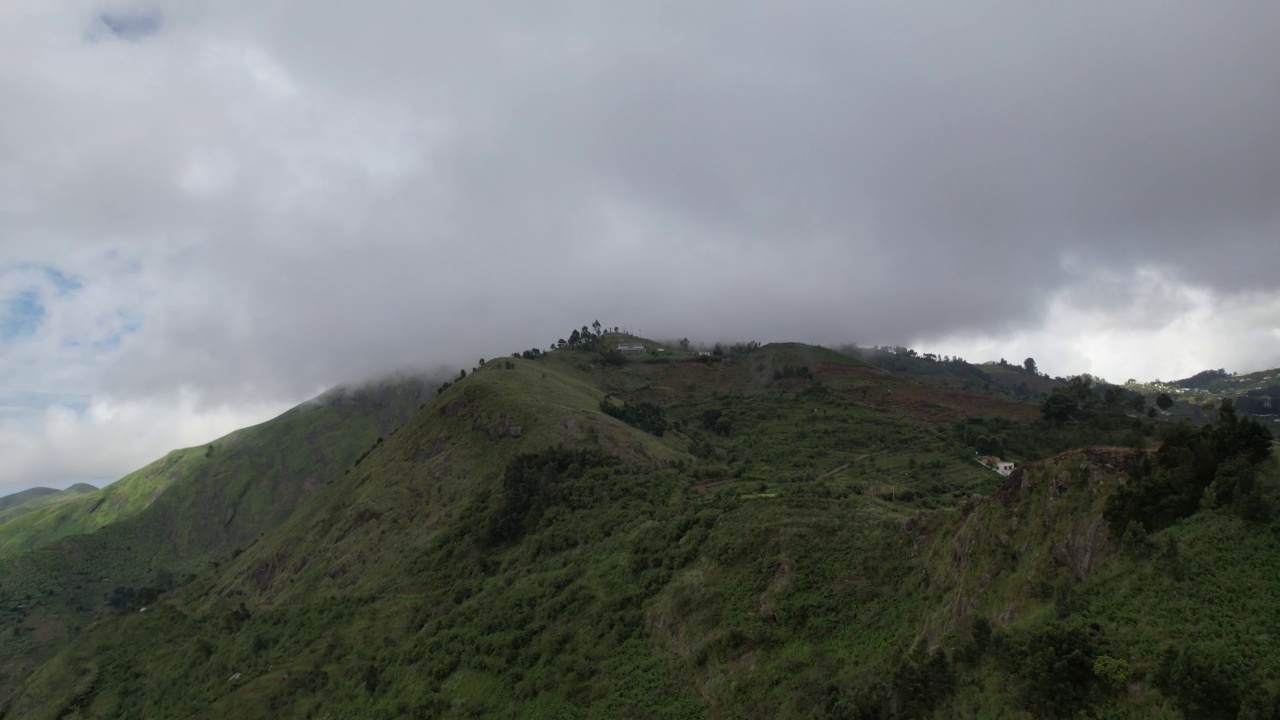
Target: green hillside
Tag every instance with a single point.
(20, 503)
(774, 532)
(25, 496)
(97, 555)
(216, 473)
(86, 512)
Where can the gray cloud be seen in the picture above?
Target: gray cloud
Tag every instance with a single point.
(283, 195)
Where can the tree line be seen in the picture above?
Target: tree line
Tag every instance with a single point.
(1194, 469)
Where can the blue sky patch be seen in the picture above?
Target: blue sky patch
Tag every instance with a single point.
(29, 403)
(20, 315)
(63, 283)
(131, 25)
(117, 335)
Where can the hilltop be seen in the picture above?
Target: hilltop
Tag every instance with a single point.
(25, 501)
(25, 496)
(764, 531)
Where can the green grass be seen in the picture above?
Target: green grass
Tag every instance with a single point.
(12, 506)
(88, 512)
(23, 497)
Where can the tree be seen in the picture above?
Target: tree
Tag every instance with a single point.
(1241, 436)
(1030, 366)
(575, 338)
(596, 326)
(1164, 402)
(1055, 665)
(1112, 396)
(684, 344)
(1058, 407)
(1112, 671)
(1080, 386)
(1202, 682)
(1138, 403)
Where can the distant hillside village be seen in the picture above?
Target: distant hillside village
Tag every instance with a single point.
(1256, 394)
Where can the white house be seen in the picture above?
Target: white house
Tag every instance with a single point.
(631, 348)
(1004, 468)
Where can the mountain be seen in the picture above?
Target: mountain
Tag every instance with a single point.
(89, 557)
(778, 531)
(26, 496)
(37, 499)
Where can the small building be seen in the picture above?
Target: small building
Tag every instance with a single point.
(631, 348)
(1001, 466)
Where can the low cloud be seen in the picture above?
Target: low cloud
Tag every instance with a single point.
(257, 200)
(57, 445)
(1146, 326)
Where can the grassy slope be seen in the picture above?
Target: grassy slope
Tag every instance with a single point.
(200, 506)
(11, 506)
(283, 443)
(804, 566)
(24, 496)
(76, 515)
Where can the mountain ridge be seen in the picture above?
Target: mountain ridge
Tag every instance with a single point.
(776, 531)
(25, 501)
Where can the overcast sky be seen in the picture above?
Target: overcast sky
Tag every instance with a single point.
(210, 211)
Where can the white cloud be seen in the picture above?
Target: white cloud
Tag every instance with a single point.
(59, 445)
(1161, 328)
(260, 199)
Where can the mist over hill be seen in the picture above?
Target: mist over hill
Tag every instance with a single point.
(995, 505)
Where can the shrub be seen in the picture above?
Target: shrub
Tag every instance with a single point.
(1112, 671)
